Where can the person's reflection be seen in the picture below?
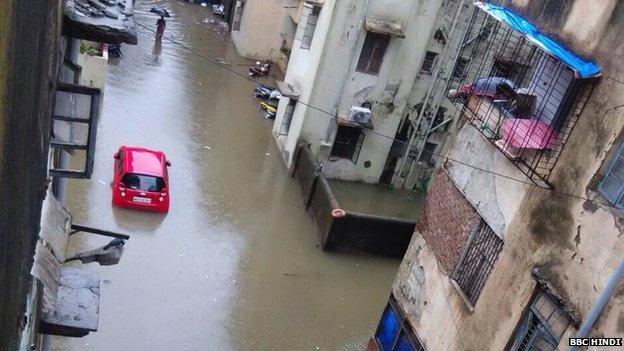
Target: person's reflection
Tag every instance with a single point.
(156, 51)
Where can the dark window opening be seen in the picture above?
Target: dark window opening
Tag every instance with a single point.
(428, 62)
(543, 325)
(372, 54)
(394, 333)
(477, 261)
(460, 68)
(348, 143)
(514, 71)
(427, 153)
(143, 182)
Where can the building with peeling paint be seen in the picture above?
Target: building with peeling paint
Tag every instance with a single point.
(264, 29)
(358, 74)
(518, 246)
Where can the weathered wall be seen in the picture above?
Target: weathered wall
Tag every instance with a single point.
(446, 234)
(327, 78)
(262, 29)
(29, 35)
(576, 242)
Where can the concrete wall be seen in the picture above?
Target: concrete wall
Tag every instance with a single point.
(577, 243)
(328, 80)
(29, 54)
(263, 28)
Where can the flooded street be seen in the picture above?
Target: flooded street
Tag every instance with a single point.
(234, 265)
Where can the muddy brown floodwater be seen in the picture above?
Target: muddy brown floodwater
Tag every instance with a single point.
(235, 264)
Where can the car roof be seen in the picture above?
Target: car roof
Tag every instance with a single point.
(142, 160)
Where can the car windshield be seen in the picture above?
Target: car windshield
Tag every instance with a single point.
(143, 182)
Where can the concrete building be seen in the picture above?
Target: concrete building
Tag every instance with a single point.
(518, 246)
(349, 57)
(264, 29)
(41, 72)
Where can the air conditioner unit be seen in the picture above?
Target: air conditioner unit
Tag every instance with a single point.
(360, 115)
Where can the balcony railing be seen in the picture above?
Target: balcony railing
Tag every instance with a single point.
(525, 96)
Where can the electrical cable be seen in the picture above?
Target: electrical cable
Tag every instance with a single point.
(331, 115)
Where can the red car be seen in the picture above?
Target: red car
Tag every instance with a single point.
(140, 179)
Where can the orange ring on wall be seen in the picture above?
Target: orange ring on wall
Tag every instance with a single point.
(338, 212)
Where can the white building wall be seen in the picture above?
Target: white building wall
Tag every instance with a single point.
(327, 79)
(263, 27)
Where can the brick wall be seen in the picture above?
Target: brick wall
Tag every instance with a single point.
(446, 220)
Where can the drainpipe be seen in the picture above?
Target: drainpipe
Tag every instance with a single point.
(600, 304)
(434, 78)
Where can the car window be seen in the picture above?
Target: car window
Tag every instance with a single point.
(143, 182)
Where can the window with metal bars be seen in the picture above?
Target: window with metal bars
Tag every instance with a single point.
(476, 262)
(543, 325)
(310, 27)
(460, 68)
(522, 99)
(612, 184)
(372, 54)
(394, 332)
(348, 143)
(428, 62)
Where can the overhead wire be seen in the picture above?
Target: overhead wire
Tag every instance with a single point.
(331, 115)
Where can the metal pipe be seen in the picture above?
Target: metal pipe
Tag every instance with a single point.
(600, 304)
(434, 77)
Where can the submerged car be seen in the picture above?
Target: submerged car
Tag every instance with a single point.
(141, 179)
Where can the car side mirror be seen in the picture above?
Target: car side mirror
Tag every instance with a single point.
(168, 163)
(116, 156)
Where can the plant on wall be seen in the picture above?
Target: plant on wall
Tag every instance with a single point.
(88, 50)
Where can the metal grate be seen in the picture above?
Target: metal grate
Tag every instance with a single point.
(523, 100)
(477, 261)
(428, 62)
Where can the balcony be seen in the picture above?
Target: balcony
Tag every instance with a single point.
(523, 91)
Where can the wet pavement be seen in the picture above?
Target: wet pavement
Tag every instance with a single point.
(235, 264)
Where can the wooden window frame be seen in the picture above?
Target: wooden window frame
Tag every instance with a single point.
(373, 53)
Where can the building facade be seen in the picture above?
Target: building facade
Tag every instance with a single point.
(263, 29)
(352, 57)
(521, 230)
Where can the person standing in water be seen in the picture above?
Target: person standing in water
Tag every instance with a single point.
(161, 24)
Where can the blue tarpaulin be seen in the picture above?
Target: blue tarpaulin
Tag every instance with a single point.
(584, 68)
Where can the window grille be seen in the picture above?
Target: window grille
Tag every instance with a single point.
(372, 54)
(287, 118)
(612, 184)
(394, 332)
(477, 261)
(238, 15)
(542, 327)
(310, 27)
(523, 100)
(348, 143)
(428, 62)
(460, 68)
